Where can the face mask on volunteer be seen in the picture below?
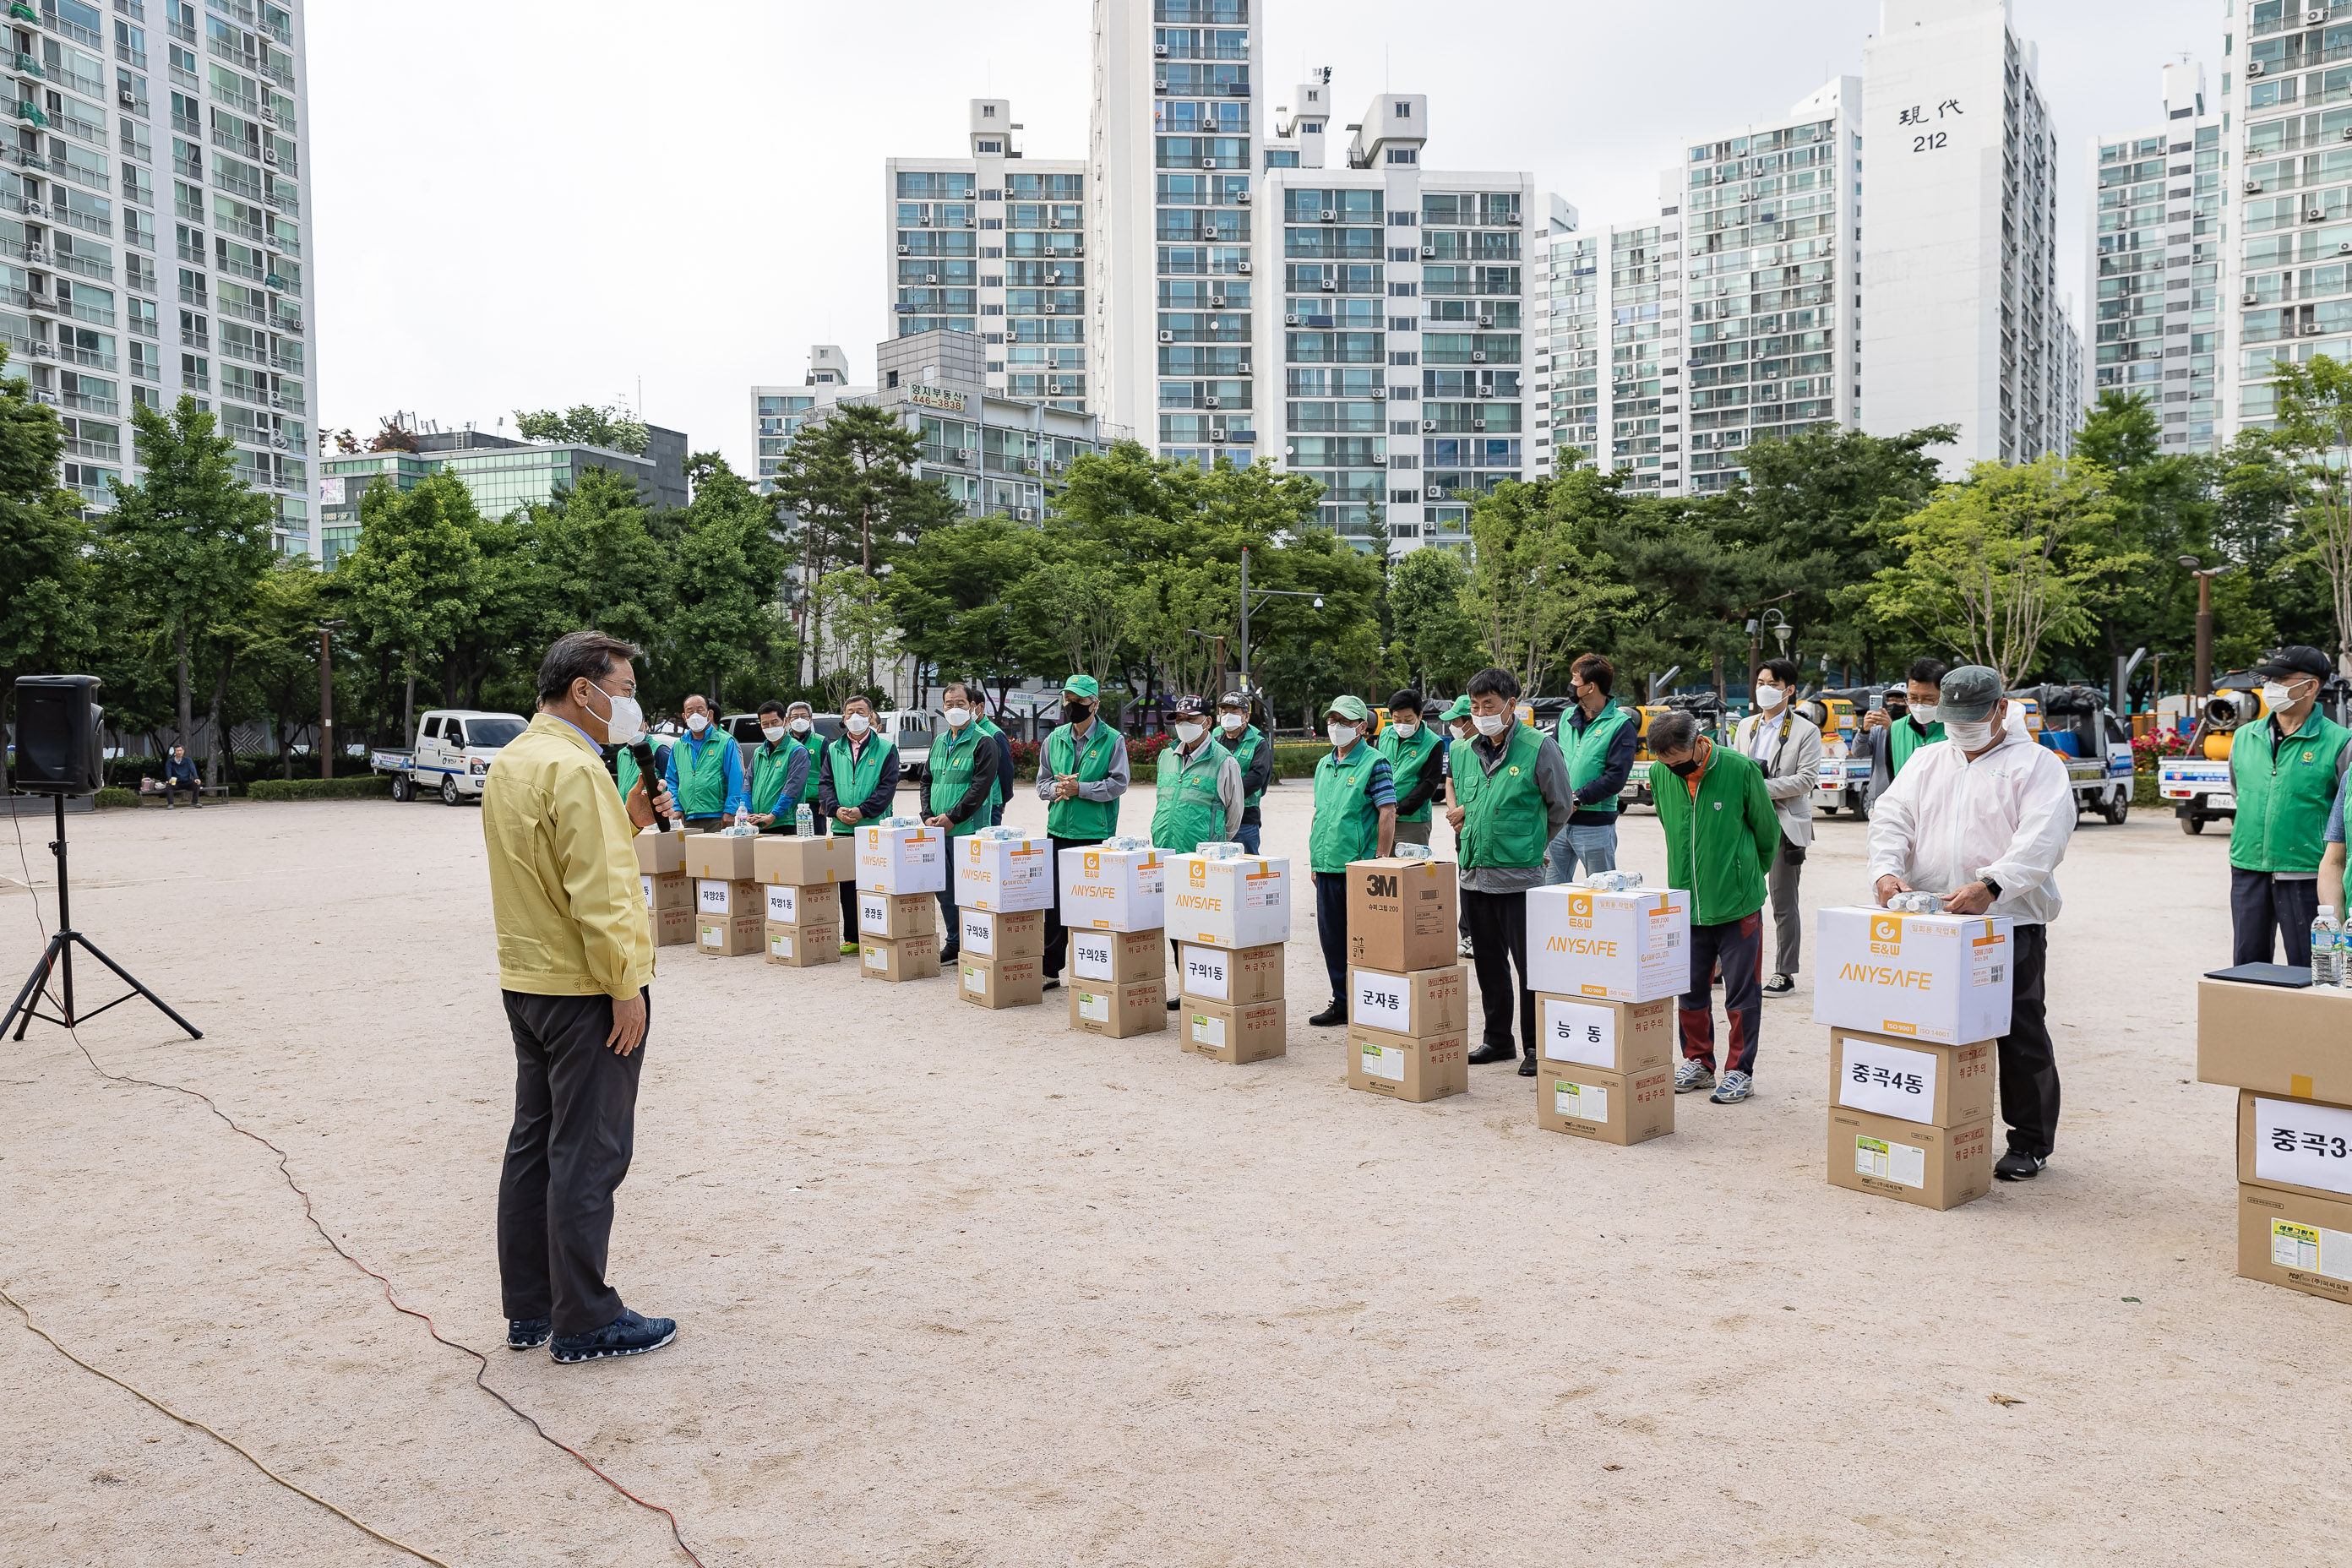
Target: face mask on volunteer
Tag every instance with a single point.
(1923, 713)
(774, 732)
(2275, 696)
(1188, 734)
(698, 722)
(801, 726)
(1769, 697)
(1684, 770)
(858, 723)
(1233, 722)
(1490, 724)
(1407, 729)
(1342, 735)
(625, 721)
(1969, 737)
(959, 717)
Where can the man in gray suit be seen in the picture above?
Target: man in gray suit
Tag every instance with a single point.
(1788, 746)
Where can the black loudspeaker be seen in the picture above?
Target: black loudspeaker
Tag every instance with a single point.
(56, 734)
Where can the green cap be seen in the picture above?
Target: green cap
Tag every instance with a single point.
(1461, 709)
(1081, 686)
(1350, 708)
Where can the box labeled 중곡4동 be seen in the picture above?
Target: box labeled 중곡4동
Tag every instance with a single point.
(1118, 957)
(899, 958)
(1610, 1036)
(1624, 947)
(804, 947)
(1401, 913)
(814, 861)
(1113, 889)
(988, 934)
(1243, 901)
(2294, 1239)
(1911, 1080)
(1400, 1068)
(1097, 1007)
(1935, 1167)
(2276, 1041)
(897, 914)
(1941, 978)
(1222, 975)
(1000, 982)
(901, 859)
(1621, 1108)
(1417, 1002)
(1006, 875)
(1232, 1032)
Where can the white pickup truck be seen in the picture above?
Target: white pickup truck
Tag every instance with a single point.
(455, 748)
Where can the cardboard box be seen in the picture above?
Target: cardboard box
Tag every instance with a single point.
(1624, 947)
(1112, 889)
(1621, 1108)
(814, 862)
(1403, 1067)
(804, 947)
(1911, 1080)
(1241, 902)
(672, 928)
(1004, 875)
(897, 914)
(731, 936)
(901, 859)
(1605, 1036)
(986, 933)
(1139, 1007)
(660, 851)
(899, 958)
(713, 899)
(1935, 1167)
(1118, 957)
(1001, 981)
(2293, 1239)
(1224, 975)
(788, 904)
(668, 889)
(2295, 1145)
(1234, 1032)
(1419, 1004)
(1401, 913)
(1940, 978)
(2275, 1041)
(716, 858)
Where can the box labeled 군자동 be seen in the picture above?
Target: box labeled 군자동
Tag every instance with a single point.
(1234, 1032)
(660, 851)
(672, 927)
(2276, 1040)
(666, 890)
(814, 862)
(1911, 1080)
(1419, 1002)
(1935, 1167)
(1005, 875)
(2295, 1145)
(1113, 889)
(2294, 1239)
(731, 936)
(897, 914)
(988, 934)
(1097, 1007)
(1402, 914)
(1608, 1036)
(1226, 975)
(1000, 982)
(714, 899)
(1632, 946)
(1944, 979)
(899, 958)
(804, 947)
(1236, 903)
(791, 904)
(718, 857)
(1118, 957)
(1622, 1107)
(1402, 1068)
(901, 859)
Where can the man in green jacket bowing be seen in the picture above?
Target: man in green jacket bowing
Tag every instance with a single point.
(1081, 773)
(1355, 820)
(961, 787)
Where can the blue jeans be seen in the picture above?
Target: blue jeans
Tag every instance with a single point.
(1596, 847)
(1247, 835)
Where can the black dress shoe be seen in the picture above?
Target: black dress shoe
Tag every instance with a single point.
(1492, 1053)
(2017, 1167)
(1330, 1017)
(948, 955)
(1175, 1004)
(1527, 1067)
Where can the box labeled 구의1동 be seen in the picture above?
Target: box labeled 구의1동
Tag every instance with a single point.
(1632, 946)
(1944, 979)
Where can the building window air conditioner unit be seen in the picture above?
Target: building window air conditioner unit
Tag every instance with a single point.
(1379, 394)
(2253, 67)
(1242, 369)
(2347, 133)
(1477, 356)
(2249, 300)
(1485, 320)
(1379, 461)
(1207, 162)
(1045, 309)
(1077, 251)
(2311, 329)
(972, 223)
(1241, 198)
(1026, 515)
(1512, 219)
(1330, 215)
(1427, 426)
(1209, 403)
(2343, 247)
(923, 222)
(904, 249)
(1290, 321)
(1159, 87)
(1216, 435)
(1053, 223)
(1241, 267)
(1485, 392)
(2253, 187)
(1167, 337)
(931, 277)
(1427, 251)
(1160, 49)
(1477, 424)
(1209, 233)
(1328, 286)
(2313, 15)
(1216, 301)
(2315, 215)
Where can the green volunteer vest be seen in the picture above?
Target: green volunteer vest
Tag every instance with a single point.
(955, 757)
(1347, 823)
(815, 745)
(854, 781)
(770, 765)
(1903, 738)
(1505, 821)
(702, 779)
(628, 774)
(1405, 759)
(1076, 818)
(1590, 759)
(1245, 752)
(1186, 812)
(2285, 792)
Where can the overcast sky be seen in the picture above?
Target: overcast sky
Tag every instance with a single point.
(526, 204)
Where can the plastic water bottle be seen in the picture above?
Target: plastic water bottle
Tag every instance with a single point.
(805, 821)
(1613, 881)
(1916, 903)
(2326, 949)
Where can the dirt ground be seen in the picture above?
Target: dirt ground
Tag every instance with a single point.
(962, 1288)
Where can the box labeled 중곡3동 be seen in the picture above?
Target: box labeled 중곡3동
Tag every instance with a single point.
(1632, 946)
(1941, 978)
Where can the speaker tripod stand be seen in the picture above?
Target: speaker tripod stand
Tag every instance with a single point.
(59, 957)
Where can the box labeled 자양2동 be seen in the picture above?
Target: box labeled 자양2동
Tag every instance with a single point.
(1944, 979)
(2294, 1239)
(1224, 975)
(1607, 1037)
(1000, 982)
(1116, 1011)
(1241, 900)
(1005, 875)
(803, 946)
(1911, 1080)
(1397, 1067)
(1632, 946)
(1118, 957)
(989, 934)
(1419, 1002)
(818, 861)
(897, 914)
(1402, 914)
(2276, 1040)
(1621, 1108)
(1112, 889)
(731, 936)
(899, 958)
(1935, 1167)
(1235, 1032)
(901, 859)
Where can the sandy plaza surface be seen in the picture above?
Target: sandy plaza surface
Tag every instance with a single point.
(958, 1287)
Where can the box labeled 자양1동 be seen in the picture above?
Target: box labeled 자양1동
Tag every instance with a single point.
(2295, 1145)
(1911, 1080)
(1944, 979)
(1608, 1036)
(1000, 982)
(671, 927)
(666, 890)
(1113, 889)
(2275, 1040)
(814, 862)
(897, 914)
(1234, 1032)
(1402, 914)
(1419, 1002)
(1632, 946)
(899, 958)
(1224, 975)
(714, 899)
(1241, 900)
(1118, 957)
(988, 934)
(803, 946)
(1398, 1066)
(1621, 1108)
(718, 857)
(1935, 1167)
(2294, 1239)
(1005, 875)
(793, 904)
(731, 936)
(901, 859)
(1116, 1011)
(660, 851)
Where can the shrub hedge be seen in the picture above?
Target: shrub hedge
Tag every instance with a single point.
(108, 799)
(373, 786)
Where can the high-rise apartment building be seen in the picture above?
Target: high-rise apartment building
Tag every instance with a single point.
(778, 412)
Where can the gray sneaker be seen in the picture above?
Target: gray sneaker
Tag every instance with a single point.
(1736, 1086)
(1692, 1075)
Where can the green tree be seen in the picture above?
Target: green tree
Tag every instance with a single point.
(615, 428)
(2311, 435)
(1540, 578)
(1432, 640)
(600, 565)
(276, 644)
(415, 576)
(726, 568)
(862, 627)
(951, 595)
(46, 617)
(2165, 508)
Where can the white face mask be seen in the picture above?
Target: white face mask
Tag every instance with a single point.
(858, 723)
(1923, 713)
(959, 717)
(1233, 722)
(1973, 737)
(1406, 728)
(1769, 697)
(1461, 732)
(2274, 695)
(1187, 734)
(774, 732)
(1490, 724)
(1342, 735)
(698, 722)
(626, 723)
(801, 726)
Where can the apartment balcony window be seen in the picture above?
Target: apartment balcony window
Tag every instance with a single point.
(68, 26)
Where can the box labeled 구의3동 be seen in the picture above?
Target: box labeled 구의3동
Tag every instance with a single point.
(1005, 876)
(1113, 889)
(1632, 946)
(1241, 902)
(1944, 979)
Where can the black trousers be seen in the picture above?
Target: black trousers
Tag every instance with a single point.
(2260, 904)
(1498, 923)
(2028, 1062)
(1332, 926)
(1057, 940)
(849, 911)
(575, 1126)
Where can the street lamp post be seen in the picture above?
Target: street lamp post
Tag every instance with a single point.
(327, 700)
(1263, 594)
(2204, 575)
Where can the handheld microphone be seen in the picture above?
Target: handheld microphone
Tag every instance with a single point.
(642, 751)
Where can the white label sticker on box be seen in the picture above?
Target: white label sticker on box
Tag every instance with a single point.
(781, 945)
(648, 882)
(2302, 1144)
(1890, 1160)
(2311, 1248)
(974, 980)
(1094, 1006)
(1383, 1061)
(1090, 955)
(1382, 1001)
(1582, 1033)
(1888, 1081)
(1208, 1031)
(714, 936)
(1207, 973)
(979, 935)
(710, 896)
(874, 914)
(784, 905)
(1579, 1101)
(877, 957)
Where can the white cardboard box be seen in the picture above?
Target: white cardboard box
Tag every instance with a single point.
(1113, 889)
(1243, 901)
(1006, 875)
(1632, 946)
(901, 860)
(1944, 979)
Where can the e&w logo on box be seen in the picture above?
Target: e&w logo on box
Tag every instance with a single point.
(1887, 930)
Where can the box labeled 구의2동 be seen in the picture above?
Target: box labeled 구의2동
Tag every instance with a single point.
(1944, 979)
(1632, 946)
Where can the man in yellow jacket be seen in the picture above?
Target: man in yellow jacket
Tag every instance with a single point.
(575, 953)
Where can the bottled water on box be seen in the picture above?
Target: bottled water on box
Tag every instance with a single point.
(1916, 903)
(805, 821)
(1613, 881)
(2326, 949)
(1414, 852)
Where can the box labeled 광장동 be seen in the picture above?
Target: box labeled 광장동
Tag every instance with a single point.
(1419, 1002)
(1944, 979)
(1402, 914)
(1240, 901)
(1005, 875)
(1226, 975)
(1632, 946)
(1113, 889)
(901, 859)
(814, 862)
(988, 934)
(1911, 1080)
(1608, 1036)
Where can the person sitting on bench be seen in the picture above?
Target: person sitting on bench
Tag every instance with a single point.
(181, 774)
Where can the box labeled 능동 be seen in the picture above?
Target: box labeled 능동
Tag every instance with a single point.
(1621, 1108)
(1242, 900)
(1935, 1167)
(714, 899)
(1944, 979)
(899, 958)
(1632, 946)
(672, 927)
(1000, 982)
(814, 862)
(1402, 1068)
(1097, 1007)
(1234, 1032)
(1911, 1080)
(793, 904)
(1227, 975)
(804, 947)
(1006, 875)
(1113, 889)
(1608, 1036)
(1118, 957)
(2295, 1145)
(1401, 913)
(718, 857)
(901, 859)
(1419, 1002)
(2296, 1239)
(660, 851)
(985, 933)
(731, 936)
(2273, 1040)
(666, 890)
(897, 914)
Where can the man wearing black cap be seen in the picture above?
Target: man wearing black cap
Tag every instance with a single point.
(2285, 772)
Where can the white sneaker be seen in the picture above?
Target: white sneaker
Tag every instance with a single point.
(1463, 949)
(1691, 1075)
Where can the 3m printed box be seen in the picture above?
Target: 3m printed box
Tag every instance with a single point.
(1234, 1032)
(899, 958)
(1911, 1080)
(1624, 947)
(1117, 1012)
(1241, 902)
(668, 889)
(1419, 1002)
(2293, 1239)
(1006, 875)
(1935, 1167)
(1621, 1108)
(1607, 1037)
(987, 934)
(814, 862)
(1118, 957)
(804, 947)
(1113, 889)
(672, 928)
(1400, 1068)
(1222, 975)
(717, 857)
(1402, 914)
(897, 914)
(714, 899)
(1944, 979)
(901, 860)
(2273, 1040)
(2295, 1145)
(789, 904)
(1000, 982)
(660, 851)
(731, 936)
